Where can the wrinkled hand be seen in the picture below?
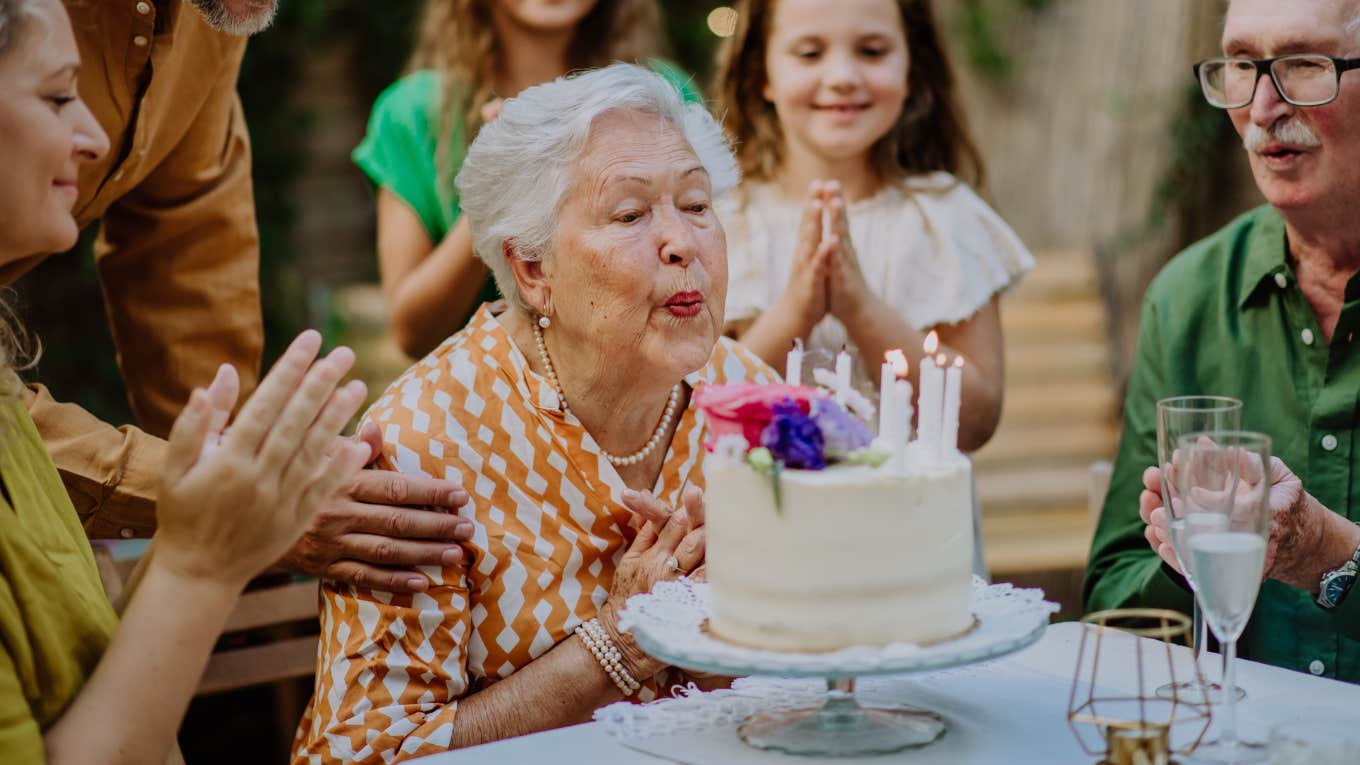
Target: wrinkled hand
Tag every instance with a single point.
(1295, 523)
(381, 525)
(805, 296)
(664, 532)
(231, 501)
(847, 290)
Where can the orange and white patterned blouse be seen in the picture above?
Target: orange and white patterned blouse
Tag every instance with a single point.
(550, 529)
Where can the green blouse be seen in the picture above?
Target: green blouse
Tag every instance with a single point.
(55, 620)
(399, 151)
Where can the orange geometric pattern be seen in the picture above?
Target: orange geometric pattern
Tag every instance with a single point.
(550, 529)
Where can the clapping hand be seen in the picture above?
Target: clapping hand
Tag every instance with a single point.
(232, 499)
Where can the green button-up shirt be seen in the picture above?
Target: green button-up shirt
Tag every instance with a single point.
(1226, 317)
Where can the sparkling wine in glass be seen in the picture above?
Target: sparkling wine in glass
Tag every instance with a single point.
(1176, 417)
(1224, 481)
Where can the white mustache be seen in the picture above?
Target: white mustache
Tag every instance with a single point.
(1292, 132)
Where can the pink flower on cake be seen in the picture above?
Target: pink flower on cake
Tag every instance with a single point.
(746, 409)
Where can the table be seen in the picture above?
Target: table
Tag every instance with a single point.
(1019, 720)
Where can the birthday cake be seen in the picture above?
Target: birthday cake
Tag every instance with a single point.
(820, 537)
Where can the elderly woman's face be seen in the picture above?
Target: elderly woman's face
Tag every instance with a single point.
(46, 132)
(639, 267)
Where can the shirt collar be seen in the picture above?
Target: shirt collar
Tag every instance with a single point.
(1267, 258)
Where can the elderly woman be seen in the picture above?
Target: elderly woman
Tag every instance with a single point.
(563, 413)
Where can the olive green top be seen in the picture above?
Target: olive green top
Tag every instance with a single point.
(1226, 317)
(55, 620)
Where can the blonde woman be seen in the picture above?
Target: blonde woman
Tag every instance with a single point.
(76, 685)
(470, 55)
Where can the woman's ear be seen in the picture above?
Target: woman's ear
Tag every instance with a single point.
(530, 278)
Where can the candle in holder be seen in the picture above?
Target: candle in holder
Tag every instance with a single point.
(931, 401)
(953, 395)
(894, 415)
(793, 369)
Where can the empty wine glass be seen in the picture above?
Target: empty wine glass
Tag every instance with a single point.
(1176, 417)
(1224, 482)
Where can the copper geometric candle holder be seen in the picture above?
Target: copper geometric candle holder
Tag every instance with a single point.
(1134, 728)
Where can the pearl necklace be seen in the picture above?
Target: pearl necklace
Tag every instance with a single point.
(661, 427)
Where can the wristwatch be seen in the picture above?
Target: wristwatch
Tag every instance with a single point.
(1337, 582)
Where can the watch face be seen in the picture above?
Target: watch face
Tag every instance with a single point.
(1338, 585)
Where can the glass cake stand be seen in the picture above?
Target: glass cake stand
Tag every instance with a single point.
(670, 624)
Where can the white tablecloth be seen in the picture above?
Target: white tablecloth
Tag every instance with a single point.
(1011, 711)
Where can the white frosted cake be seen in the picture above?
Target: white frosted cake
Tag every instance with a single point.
(856, 551)
(855, 555)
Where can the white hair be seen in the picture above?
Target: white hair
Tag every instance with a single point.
(517, 173)
(13, 14)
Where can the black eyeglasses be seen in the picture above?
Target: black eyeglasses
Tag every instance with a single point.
(1301, 79)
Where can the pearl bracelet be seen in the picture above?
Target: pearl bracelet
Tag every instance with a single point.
(607, 654)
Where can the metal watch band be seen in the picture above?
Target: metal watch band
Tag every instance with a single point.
(1332, 590)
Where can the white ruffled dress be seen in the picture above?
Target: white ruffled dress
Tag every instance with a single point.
(929, 246)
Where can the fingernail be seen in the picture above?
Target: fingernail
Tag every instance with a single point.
(458, 497)
(418, 583)
(631, 496)
(452, 556)
(463, 532)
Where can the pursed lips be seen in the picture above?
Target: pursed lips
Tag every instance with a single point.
(685, 304)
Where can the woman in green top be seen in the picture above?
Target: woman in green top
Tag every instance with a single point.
(469, 56)
(76, 686)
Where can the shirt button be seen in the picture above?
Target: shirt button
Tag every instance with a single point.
(1329, 442)
(126, 533)
(145, 8)
(1307, 336)
(1316, 667)
(140, 41)
(1280, 280)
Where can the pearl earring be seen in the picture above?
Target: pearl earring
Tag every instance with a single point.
(544, 322)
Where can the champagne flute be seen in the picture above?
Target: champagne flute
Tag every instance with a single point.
(1176, 417)
(1224, 480)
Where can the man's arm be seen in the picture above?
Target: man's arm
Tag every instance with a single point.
(179, 264)
(1123, 571)
(111, 473)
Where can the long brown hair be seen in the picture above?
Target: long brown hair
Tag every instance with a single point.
(458, 40)
(931, 133)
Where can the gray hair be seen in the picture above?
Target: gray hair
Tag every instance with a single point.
(12, 15)
(517, 172)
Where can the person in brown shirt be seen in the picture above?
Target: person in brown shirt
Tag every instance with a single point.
(178, 261)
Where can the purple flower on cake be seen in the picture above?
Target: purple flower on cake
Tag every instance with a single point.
(793, 437)
(842, 432)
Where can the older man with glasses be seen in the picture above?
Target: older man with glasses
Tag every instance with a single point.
(1266, 310)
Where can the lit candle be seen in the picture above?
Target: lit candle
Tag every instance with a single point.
(843, 371)
(894, 395)
(953, 394)
(793, 370)
(931, 398)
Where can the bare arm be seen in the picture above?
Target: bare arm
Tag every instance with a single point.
(229, 501)
(431, 290)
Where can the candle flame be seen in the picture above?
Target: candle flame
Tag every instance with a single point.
(940, 361)
(899, 363)
(932, 343)
(958, 362)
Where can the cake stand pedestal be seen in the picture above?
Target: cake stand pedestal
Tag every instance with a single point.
(670, 623)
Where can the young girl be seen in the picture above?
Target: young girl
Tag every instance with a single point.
(851, 229)
(470, 55)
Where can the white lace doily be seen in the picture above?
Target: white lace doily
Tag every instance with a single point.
(667, 623)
